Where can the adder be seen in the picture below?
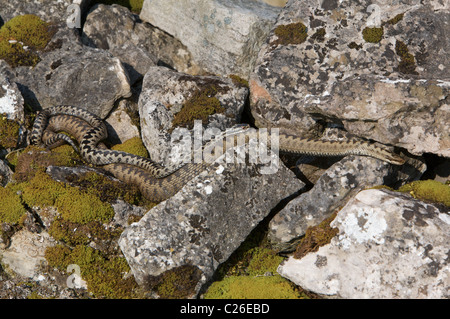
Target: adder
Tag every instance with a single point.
(155, 181)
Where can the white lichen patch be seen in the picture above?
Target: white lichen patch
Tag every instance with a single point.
(362, 225)
(9, 101)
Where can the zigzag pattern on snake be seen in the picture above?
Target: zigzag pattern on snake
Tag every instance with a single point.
(155, 181)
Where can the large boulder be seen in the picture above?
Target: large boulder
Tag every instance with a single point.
(205, 221)
(223, 36)
(137, 44)
(337, 185)
(388, 245)
(70, 73)
(171, 102)
(379, 71)
(58, 12)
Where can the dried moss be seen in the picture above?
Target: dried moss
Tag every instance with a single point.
(238, 81)
(316, 237)
(21, 38)
(246, 287)
(373, 35)
(294, 33)
(407, 63)
(428, 190)
(107, 190)
(36, 159)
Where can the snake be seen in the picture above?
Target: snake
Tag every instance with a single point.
(157, 182)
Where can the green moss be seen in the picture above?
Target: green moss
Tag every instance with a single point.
(246, 287)
(105, 276)
(202, 104)
(133, 5)
(9, 133)
(108, 190)
(176, 283)
(133, 145)
(395, 19)
(238, 81)
(26, 31)
(315, 237)
(74, 234)
(73, 204)
(294, 33)
(373, 35)
(11, 207)
(428, 190)
(262, 260)
(407, 63)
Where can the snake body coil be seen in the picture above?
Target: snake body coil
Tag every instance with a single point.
(155, 181)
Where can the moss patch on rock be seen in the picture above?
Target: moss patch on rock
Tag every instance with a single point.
(106, 277)
(373, 35)
(35, 159)
(293, 33)
(176, 283)
(11, 207)
(22, 37)
(247, 287)
(72, 203)
(199, 106)
(407, 64)
(315, 237)
(428, 190)
(9, 133)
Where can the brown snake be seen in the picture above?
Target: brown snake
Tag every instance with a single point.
(157, 182)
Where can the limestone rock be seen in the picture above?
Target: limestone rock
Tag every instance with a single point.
(11, 100)
(70, 73)
(388, 246)
(137, 44)
(57, 12)
(120, 125)
(158, 107)
(332, 190)
(205, 221)
(223, 36)
(379, 70)
(26, 253)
